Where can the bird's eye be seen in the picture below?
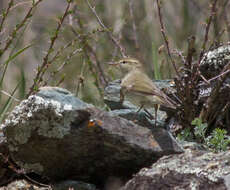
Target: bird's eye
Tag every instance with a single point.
(123, 62)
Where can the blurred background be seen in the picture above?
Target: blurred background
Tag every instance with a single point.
(84, 48)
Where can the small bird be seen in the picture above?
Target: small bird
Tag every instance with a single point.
(139, 89)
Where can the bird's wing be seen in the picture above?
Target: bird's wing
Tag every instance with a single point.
(139, 82)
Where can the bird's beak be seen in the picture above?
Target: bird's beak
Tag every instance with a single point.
(113, 63)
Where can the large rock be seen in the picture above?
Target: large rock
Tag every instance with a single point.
(58, 136)
(6, 170)
(65, 185)
(194, 169)
(214, 61)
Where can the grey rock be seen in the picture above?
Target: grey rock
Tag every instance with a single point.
(194, 169)
(141, 118)
(65, 185)
(214, 61)
(56, 135)
(78, 185)
(23, 185)
(5, 171)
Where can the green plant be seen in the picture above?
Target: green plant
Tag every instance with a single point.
(200, 129)
(185, 135)
(218, 140)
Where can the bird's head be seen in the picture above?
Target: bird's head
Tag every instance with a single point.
(128, 64)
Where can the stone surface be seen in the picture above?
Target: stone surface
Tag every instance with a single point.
(6, 171)
(75, 185)
(141, 118)
(58, 136)
(65, 185)
(194, 169)
(22, 185)
(214, 61)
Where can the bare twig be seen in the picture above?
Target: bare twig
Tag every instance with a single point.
(227, 23)
(41, 70)
(68, 58)
(191, 50)
(207, 112)
(19, 4)
(204, 79)
(165, 38)
(5, 13)
(60, 51)
(83, 39)
(134, 25)
(224, 6)
(220, 75)
(180, 54)
(7, 94)
(111, 36)
(212, 13)
(80, 81)
(18, 27)
(88, 55)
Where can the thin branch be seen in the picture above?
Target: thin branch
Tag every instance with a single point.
(68, 58)
(5, 13)
(41, 70)
(87, 53)
(212, 13)
(134, 25)
(213, 98)
(111, 36)
(80, 82)
(18, 27)
(165, 37)
(86, 47)
(220, 75)
(58, 53)
(19, 4)
(9, 95)
(83, 39)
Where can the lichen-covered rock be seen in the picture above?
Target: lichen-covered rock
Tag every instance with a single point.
(214, 61)
(194, 169)
(22, 185)
(58, 136)
(75, 185)
(65, 185)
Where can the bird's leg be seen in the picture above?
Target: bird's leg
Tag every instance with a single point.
(139, 109)
(156, 109)
(149, 115)
(136, 114)
(122, 96)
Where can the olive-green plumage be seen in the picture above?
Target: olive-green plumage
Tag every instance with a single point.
(138, 88)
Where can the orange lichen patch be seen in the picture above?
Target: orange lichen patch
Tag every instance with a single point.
(153, 142)
(94, 123)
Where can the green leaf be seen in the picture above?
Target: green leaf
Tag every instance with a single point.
(12, 57)
(22, 87)
(7, 104)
